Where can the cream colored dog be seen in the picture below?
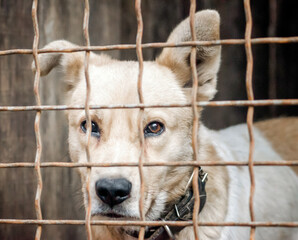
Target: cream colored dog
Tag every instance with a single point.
(168, 133)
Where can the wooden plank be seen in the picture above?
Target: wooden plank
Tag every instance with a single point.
(17, 139)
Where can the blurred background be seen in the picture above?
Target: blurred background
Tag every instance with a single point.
(113, 22)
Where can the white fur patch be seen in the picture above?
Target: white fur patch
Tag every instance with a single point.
(272, 185)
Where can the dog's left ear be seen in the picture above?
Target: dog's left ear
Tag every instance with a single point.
(208, 57)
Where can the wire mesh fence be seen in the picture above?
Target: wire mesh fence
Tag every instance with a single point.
(40, 222)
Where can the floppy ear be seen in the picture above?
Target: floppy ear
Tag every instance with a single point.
(71, 64)
(208, 57)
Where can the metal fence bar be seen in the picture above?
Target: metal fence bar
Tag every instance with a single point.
(195, 83)
(250, 112)
(272, 60)
(139, 51)
(37, 120)
(234, 103)
(88, 118)
(148, 223)
(266, 40)
(147, 164)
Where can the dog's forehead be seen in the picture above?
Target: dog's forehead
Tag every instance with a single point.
(117, 83)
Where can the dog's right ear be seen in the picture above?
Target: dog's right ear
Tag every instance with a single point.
(71, 64)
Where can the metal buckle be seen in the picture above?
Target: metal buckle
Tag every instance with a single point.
(205, 177)
(189, 181)
(177, 211)
(169, 232)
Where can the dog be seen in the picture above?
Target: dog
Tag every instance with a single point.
(115, 137)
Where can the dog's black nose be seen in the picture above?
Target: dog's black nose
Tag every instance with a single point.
(113, 191)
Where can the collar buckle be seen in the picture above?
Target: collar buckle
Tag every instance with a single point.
(203, 175)
(184, 208)
(169, 232)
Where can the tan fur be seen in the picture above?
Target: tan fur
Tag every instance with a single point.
(168, 80)
(215, 209)
(285, 142)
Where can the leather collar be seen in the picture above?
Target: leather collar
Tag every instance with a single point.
(181, 210)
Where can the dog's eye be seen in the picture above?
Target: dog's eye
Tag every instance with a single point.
(154, 129)
(95, 129)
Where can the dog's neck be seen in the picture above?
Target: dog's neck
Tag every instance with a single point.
(217, 188)
(217, 201)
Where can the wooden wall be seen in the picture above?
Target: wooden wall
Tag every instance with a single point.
(113, 22)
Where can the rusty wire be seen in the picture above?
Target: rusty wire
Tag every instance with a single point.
(139, 52)
(37, 120)
(148, 223)
(88, 118)
(266, 40)
(149, 164)
(195, 124)
(234, 103)
(250, 112)
(250, 103)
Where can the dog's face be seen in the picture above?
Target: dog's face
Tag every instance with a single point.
(115, 137)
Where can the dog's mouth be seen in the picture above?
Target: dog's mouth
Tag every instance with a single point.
(111, 214)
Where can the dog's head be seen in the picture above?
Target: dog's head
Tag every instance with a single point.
(115, 134)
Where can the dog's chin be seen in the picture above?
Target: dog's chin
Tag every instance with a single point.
(130, 232)
(113, 215)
